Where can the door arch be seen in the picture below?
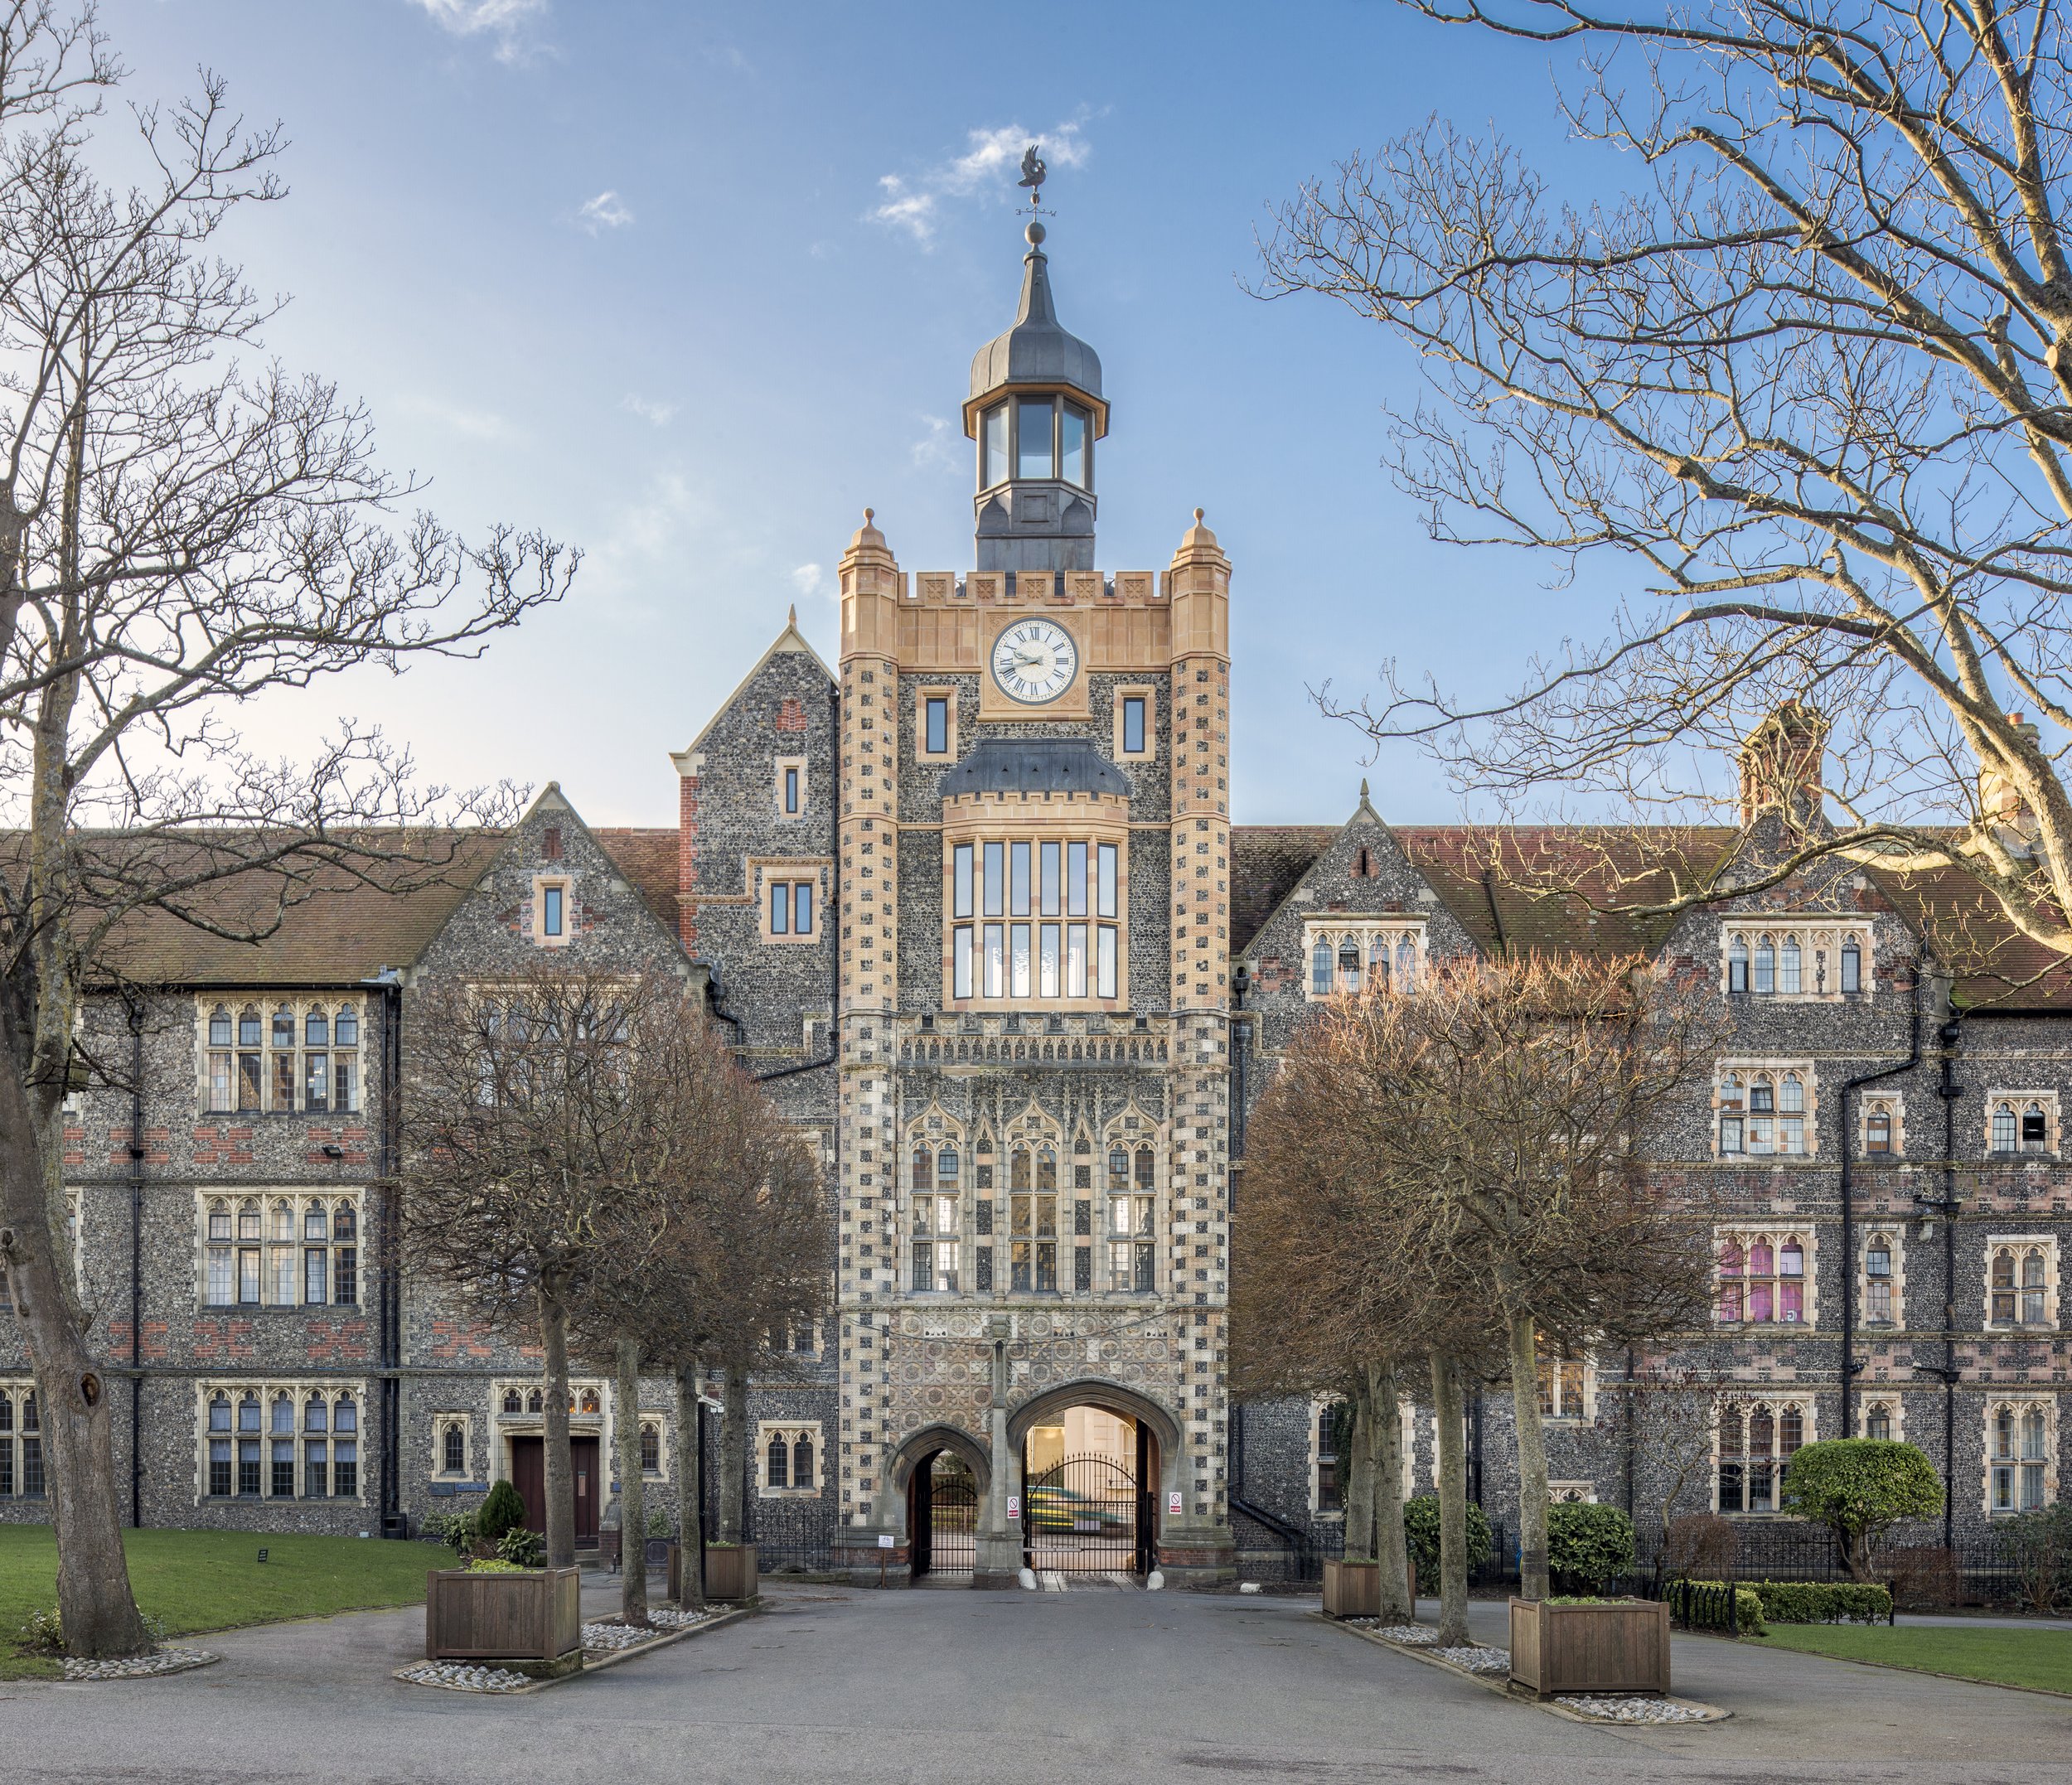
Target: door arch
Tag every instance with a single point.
(1100, 1493)
(911, 1483)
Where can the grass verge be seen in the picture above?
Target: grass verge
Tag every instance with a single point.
(196, 1580)
(2002, 1655)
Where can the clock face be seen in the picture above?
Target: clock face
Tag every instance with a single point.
(1034, 660)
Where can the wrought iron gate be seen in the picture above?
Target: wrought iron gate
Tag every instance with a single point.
(1085, 1515)
(945, 1519)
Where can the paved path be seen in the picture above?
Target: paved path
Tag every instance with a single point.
(1047, 1688)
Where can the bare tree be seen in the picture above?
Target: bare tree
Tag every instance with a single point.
(1667, 1412)
(1515, 1098)
(183, 528)
(1813, 381)
(528, 1126)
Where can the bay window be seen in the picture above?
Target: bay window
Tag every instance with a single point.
(1034, 919)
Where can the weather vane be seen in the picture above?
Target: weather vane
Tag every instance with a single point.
(1034, 172)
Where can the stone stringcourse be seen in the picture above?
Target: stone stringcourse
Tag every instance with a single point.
(149, 1666)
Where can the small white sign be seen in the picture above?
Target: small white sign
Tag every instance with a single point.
(1173, 1506)
(1013, 1506)
(885, 1543)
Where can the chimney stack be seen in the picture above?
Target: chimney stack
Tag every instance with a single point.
(1781, 762)
(2000, 806)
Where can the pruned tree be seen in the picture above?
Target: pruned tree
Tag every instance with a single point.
(1533, 1084)
(185, 528)
(1812, 381)
(528, 1150)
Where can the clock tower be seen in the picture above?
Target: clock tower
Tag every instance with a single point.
(1033, 1036)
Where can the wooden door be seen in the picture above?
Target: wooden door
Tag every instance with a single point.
(583, 1462)
(529, 1475)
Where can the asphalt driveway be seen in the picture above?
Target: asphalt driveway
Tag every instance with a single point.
(977, 1687)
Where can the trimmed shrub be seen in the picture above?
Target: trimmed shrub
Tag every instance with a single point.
(503, 1510)
(1859, 1489)
(458, 1531)
(1824, 1602)
(522, 1548)
(1588, 1543)
(490, 1564)
(2039, 1546)
(1421, 1537)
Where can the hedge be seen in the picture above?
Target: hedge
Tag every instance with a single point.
(1824, 1602)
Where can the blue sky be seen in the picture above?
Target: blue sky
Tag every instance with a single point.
(691, 286)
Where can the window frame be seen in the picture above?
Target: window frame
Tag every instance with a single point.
(2016, 1104)
(785, 767)
(564, 885)
(1024, 943)
(2020, 1404)
(2019, 1247)
(1749, 1238)
(923, 693)
(221, 1071)
(464, 1424)
(1148, 693)
(1336, 932)
(1773, 1075)
(1776, 1458)
(791, 1432)
(1756, 958)
(264, 1438)
(791, 875)
(236, 1252)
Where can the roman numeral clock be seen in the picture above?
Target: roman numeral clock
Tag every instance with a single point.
(1035, 661)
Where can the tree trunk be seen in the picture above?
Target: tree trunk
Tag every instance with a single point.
(1386, 1446)
(734, 1453)
(1359, 1481)
(632, 1487)
(560, 1472)
(1447, 1416)
(690, 1511)
(1532, 1441)
(95, 1602)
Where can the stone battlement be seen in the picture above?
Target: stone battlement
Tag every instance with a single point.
(1029, 588)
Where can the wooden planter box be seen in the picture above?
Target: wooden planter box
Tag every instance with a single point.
(1621, 1646)
(1352, 1589)
(730, 1571)
(677, 1559)
(535, 1617)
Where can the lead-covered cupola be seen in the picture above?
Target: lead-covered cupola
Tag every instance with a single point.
(1035, 411)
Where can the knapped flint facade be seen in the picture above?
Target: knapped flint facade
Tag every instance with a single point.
(971, 905)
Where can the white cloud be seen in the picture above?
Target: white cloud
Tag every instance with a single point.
(808, 579)
(936, 446)
(655, 414)
(991, 161)
(471, 424)
(508, 21)
(607, 210)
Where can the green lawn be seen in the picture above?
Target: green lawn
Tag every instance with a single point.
(214, 1581)
(2007, 1655)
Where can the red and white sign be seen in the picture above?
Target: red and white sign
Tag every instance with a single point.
(1173, 1506)
(1013, 1506)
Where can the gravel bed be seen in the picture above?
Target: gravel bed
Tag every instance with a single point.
(667, 1620)
(1633, 1709)
(1477, 1660)
(616, 1636)
(139, 1667)
(1416, 1635)
(461, 1676)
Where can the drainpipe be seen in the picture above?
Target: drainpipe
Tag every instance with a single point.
(388, 983)
(1949, 1038)
(1849, 1364)
(136, 1265)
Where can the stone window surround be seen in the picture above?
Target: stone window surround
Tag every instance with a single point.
(765, 871)
(1894, 1403)
(1407, 1413)
(1896, 1102)
(1336, 928)
(923, 692)
(2021, 1243)
(300, 1389)
(1746, 1234)
(541, 884)
(1571, 1493)
(1743, 1066)
(1818, 932)
(1589, 1368)
(1148, 694)
(299, 1198)
(15, 1390)
(440, 1422)
(660, 1421)
(266, 1002)
(2048, 1100)
(2021, 1400)
(1775, 1396)
(798, 765)
(791, 1430)
(1893, 1230)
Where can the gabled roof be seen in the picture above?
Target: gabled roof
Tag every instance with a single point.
(789, 640)
(1266, 863)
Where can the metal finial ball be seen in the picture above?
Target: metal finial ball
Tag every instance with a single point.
(1035, 233)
